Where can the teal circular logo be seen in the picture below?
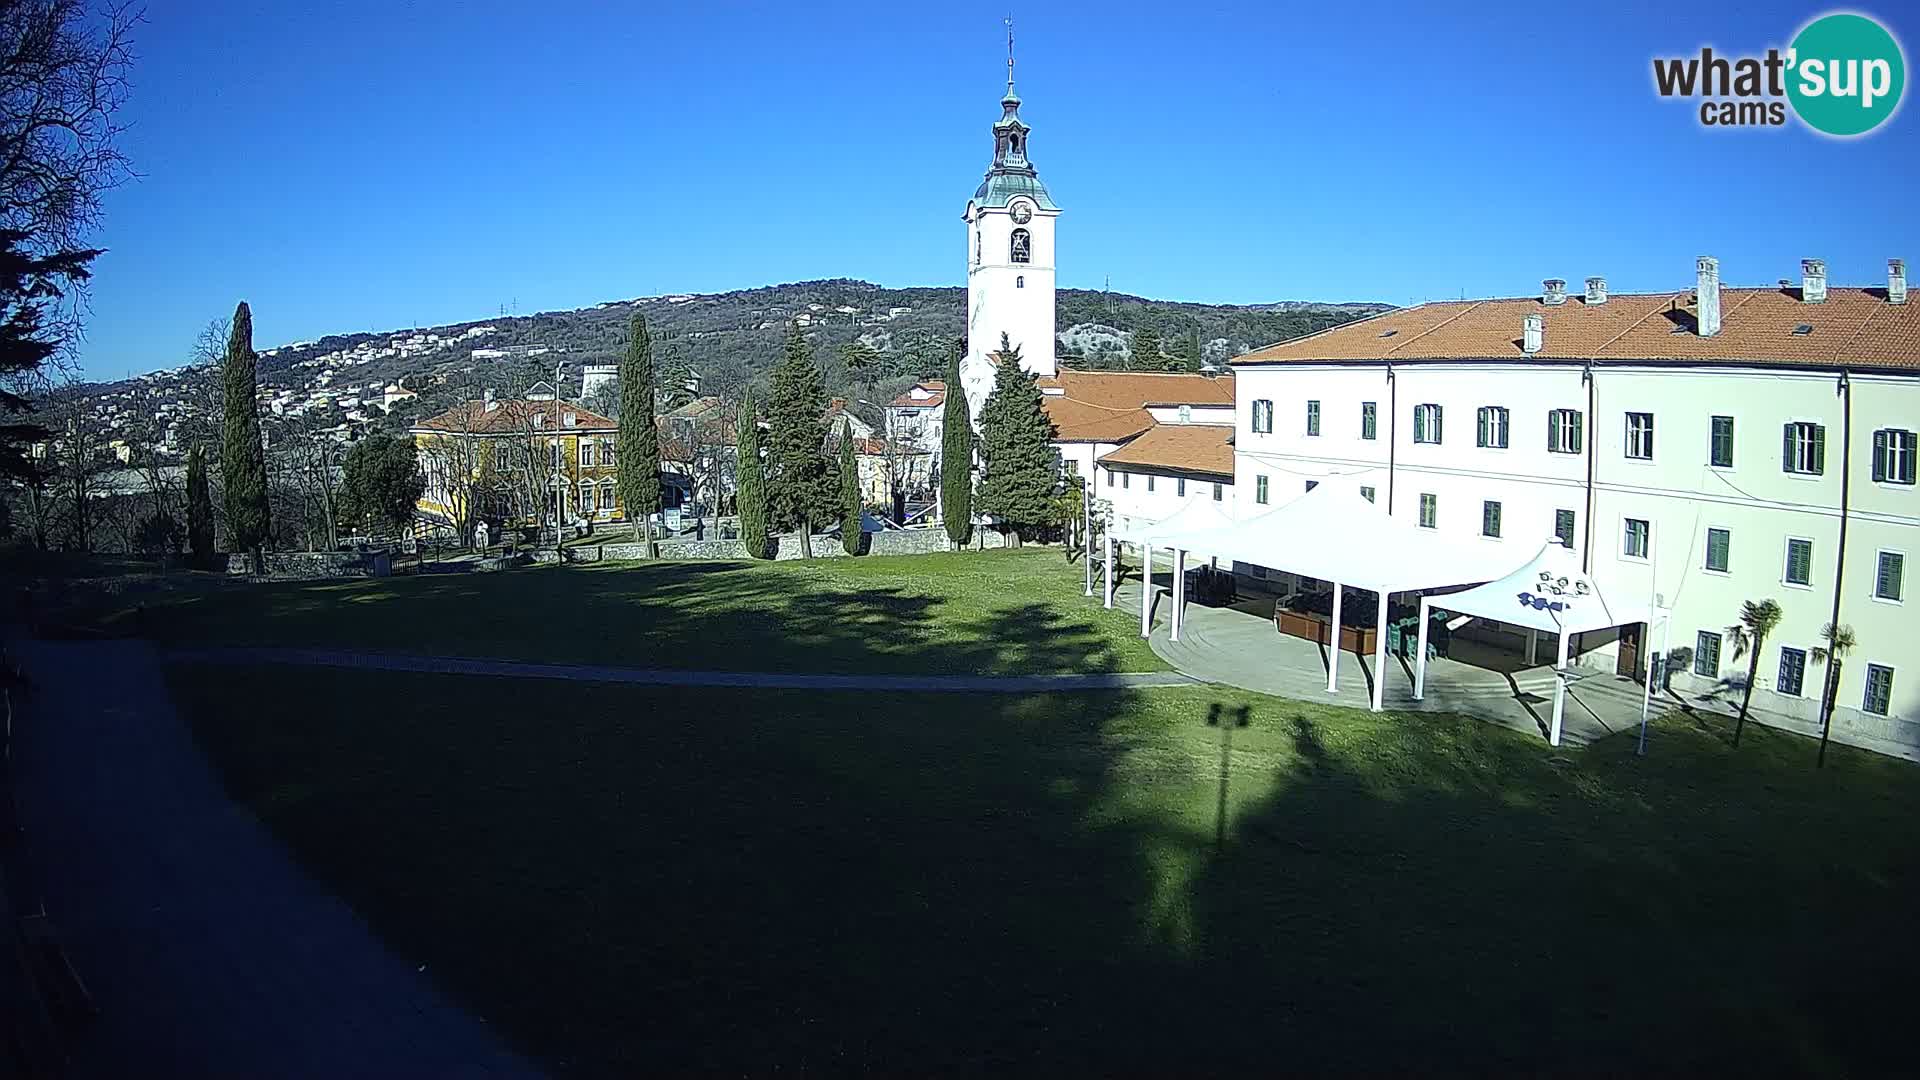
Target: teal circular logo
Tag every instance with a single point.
(1846, 74)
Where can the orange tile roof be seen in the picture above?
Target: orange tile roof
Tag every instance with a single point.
(1853, 328)
(1111, 406)
(1188, 448)
(936, 395)
(509, 416)
(1077, 421)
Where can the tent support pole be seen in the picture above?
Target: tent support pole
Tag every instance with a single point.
(1146, 589)
(1106, 541)
(1533, 646)
(1559, 692)
(1420, 656)
(1179, 594)
(1380, 652)
(1333, 646)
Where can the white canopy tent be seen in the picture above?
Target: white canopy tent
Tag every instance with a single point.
(1550, 594)
(1198, 515)
(1334, 534)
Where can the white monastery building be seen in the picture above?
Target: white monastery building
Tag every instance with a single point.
(1709, 447)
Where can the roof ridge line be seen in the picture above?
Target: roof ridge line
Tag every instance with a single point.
(1436, 326)
(1635, 325)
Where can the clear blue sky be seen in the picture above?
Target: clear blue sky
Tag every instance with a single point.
(378, 164)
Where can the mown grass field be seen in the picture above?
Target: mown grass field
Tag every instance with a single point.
(625, 880)
(995, 612)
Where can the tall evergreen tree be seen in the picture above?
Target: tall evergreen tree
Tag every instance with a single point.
(199, 509)
(750, 483)
(243, 460)
(674, 375)
(849, 492)
(639, 439)
(1020, 472)
(1144, 350)
(1186, 352)
(800, 488)
(956, 457)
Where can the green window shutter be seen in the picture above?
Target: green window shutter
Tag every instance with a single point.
(1786, 448)
(1819, 449)
(1579, 433)
(1553, 425)
(1879, 455)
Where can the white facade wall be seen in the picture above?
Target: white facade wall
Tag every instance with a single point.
(1010, 297)
(1678, 492)
(1149, 497)
(1196, 414)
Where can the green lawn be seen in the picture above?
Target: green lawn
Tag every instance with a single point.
(626, 879)
(994, 612)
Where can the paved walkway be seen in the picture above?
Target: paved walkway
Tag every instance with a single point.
(1240, 647)
(751, 680)
(206, 948)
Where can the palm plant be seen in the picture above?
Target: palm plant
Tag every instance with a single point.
(1839, 642)
(1757, 620)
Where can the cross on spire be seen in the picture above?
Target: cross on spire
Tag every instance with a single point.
(1009, 54)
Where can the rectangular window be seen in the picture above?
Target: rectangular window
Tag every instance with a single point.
(1109, 477)
(586, 454)
(1126, 480)
(1262, 417)
(1490, 519)
(1563, 527)
(1219, 492)
(1718, 541)
(586, 499)
(1879, 695)
(1640, 436)
(1366, 493)
(1368, 414)
(1492, 431)
(1180, 486)
(1803, 448)
(1311, 484)
(1706, 655)
(1149, 481)
(1429, 511)
(1563, 431)
(1893, 456)
(1793, 671)
(1313, 418)
(1260, 490)
(1720, 444)
(1888, 575)
(1799, 562)
(1426, 423)
(1633, 543)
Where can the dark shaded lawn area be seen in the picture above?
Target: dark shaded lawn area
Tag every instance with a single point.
(994, 612)
(628, 879)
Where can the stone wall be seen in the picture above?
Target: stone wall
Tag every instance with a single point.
(312, 565)
(901, 542)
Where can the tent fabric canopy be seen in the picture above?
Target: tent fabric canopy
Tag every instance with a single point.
(1334, 534)
(1197, 514)
(1549, 594)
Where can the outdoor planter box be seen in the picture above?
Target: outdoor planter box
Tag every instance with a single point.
(1314, 628)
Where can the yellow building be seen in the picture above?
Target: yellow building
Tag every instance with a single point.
(498, 459)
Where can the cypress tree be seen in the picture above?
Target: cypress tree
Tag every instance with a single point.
(639, 439)
(1019, 472)
(1144, 350)
(849, 493)
(800, 488)
(243, 461)
(199, 509)
(956, 458)
(750, 486)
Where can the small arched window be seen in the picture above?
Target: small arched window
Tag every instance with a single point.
(1022, 246)
(1020, 282)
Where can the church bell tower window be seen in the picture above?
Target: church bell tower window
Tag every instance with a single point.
(1022, 246)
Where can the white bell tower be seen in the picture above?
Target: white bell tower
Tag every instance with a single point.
(1010, 257)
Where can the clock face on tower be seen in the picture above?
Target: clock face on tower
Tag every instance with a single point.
(1022, 213)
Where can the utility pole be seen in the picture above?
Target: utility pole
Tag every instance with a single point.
(559, 454)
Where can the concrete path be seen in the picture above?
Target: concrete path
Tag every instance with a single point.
(750, 680)
(1241, 648)
(206, 948)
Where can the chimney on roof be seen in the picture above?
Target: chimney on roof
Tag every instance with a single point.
(1896, 281)
(1813, 281)
(1596, 290)
(1554, 291)
(1533, 333)
(1706, 304)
